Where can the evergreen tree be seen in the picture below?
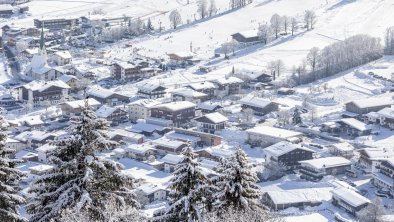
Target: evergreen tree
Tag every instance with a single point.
(9, 179)
(297, 116)
(236, 183)
(186, 190)
(80, 180)
(149, 25)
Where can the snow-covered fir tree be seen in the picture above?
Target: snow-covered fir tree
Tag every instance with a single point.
(296, 119)
(186, 190)
(80, 180)
(236, 183)
(9, 180)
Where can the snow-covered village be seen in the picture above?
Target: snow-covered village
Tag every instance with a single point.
(197, 110)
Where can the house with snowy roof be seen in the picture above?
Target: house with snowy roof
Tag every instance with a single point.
(74, 107)
(151, 193)
(140, 152)
(140, 109)
(266, 135)
(287, 153)
(211, 122)
(180, 113)
(70, 80)
(300, 198)
(383, 177)
(151, 91)
(41, 169)
(38, 92)
(170, 161)
(115, 115)
(148, 129)
(354, 127)
(6, 10)
(371, 157)
(203, 87)
(248, 36)
(260, 106)
(208, 107)
(349, 200)
(227, 86)
(214, 153)
(194, 137)
(165, 145)
(125, 71)
(43, 152)
(122, 136)
(385, 117)
(316, 169)
(370, 104)
(187, 94)
(62, 58)
(344, 149)
(106, 96)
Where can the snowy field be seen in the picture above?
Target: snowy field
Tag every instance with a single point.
(362, 16)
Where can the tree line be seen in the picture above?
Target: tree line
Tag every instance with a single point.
(337, 57)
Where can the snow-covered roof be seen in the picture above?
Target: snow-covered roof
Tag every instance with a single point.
(253, 101)
(373, 101)
(379, 153)
(283, 147)
(273, 132)
(81, 103)
(202, 85)
(210, 164)
(229, 80)
(148, 87)
(6, 7)
(357, 124)
(147, 103)
(104, 111)
(40, 86)
(344, 146)
(219, 152)
(172, 159)
(146, 127)
(66, 78)
(190, 93)
(32, 120)
(166, 142)
(176, 106)
(350, 197)
(126, 65)
(148, 188)
(327, 162)
(208, 105)
(387, 112)
(46, 148)
(124, 133)
(32, 51)
(41, 168)
(183, 54)
(214, 117)
(63, 54)
(249, 33)
(100, 92)
(184, 137)
(139, 149)
(300, 195)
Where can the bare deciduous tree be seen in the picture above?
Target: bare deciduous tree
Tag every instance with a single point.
(265, 33)
(175, 19)
(293, 25)
(276, 24)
